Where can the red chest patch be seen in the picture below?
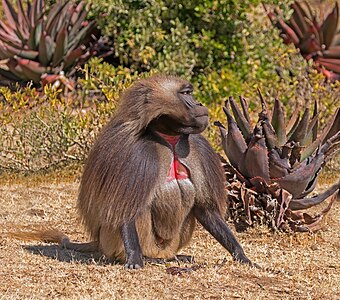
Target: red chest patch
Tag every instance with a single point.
(177, 170)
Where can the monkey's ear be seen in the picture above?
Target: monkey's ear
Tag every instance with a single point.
(136, 95)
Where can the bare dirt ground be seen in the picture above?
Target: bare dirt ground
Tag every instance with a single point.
(294, 266)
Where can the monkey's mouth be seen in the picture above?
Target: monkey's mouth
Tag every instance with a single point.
(168, 125)
(198, 124)
(201, 116)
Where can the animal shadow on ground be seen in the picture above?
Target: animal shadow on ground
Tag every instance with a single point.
(69, 256)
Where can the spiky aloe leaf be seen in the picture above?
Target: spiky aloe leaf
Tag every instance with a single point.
(278, 122)
(303, 222)
(330, 146)
(335, 126)
(300, 17)
(72, 56)
(240, 119)
(36, 11)
(312, 128)
(5, 36)
(53, 18)
(35, 34)
(296, 118)
(329, 26)
(78, 25)
(304, 203)
(79, 9)
(278, 167)
(255, 165)
(293, 121)
(12, 51)
(61, 42)
(31, 69)
(81, 35)
(7, 31)
(233, 142)
(45, 49)
(244, 106)
(312, 147)
(290, 35)
(265, 112)
(22, 19)
(297, 181)
(10, 13)
(300, 132)
(331, 64)
(64, 17)
(332, 52)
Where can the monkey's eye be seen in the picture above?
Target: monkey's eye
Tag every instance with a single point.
(186, 92)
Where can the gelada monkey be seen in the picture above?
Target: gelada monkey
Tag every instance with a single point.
(149, 176)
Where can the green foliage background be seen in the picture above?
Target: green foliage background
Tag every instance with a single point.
(224, 47)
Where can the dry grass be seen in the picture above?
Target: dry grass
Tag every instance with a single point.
(295, 266)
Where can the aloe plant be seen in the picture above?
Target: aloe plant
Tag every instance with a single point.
(34, 42)
(316, 39)
(273, 167)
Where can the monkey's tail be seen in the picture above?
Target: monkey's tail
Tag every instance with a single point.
(55, 236)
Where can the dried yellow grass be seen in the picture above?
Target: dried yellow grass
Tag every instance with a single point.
(294, 266)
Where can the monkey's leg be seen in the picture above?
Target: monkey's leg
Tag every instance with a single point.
(132, 247)
(214, 223)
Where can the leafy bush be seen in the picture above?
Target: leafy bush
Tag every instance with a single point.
(43, 130)
(172, 36)
(149, 39)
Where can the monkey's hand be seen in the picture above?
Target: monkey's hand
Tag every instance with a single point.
(214, 223)
(134, 261)
(243, 259)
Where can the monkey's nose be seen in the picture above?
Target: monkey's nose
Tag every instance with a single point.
(201, 111)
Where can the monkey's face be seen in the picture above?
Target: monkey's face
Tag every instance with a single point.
(181, 114)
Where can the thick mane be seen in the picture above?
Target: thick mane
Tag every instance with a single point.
(121, 172)
(120, 176)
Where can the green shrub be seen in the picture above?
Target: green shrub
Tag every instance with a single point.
(172, 36)
(44, 130)
(147, 40)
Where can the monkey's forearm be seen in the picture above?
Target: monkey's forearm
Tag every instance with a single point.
(216, 226)
(132, 247)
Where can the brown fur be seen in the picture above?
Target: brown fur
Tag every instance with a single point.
(125, 175)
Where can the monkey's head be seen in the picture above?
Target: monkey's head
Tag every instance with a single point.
(165, 104)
